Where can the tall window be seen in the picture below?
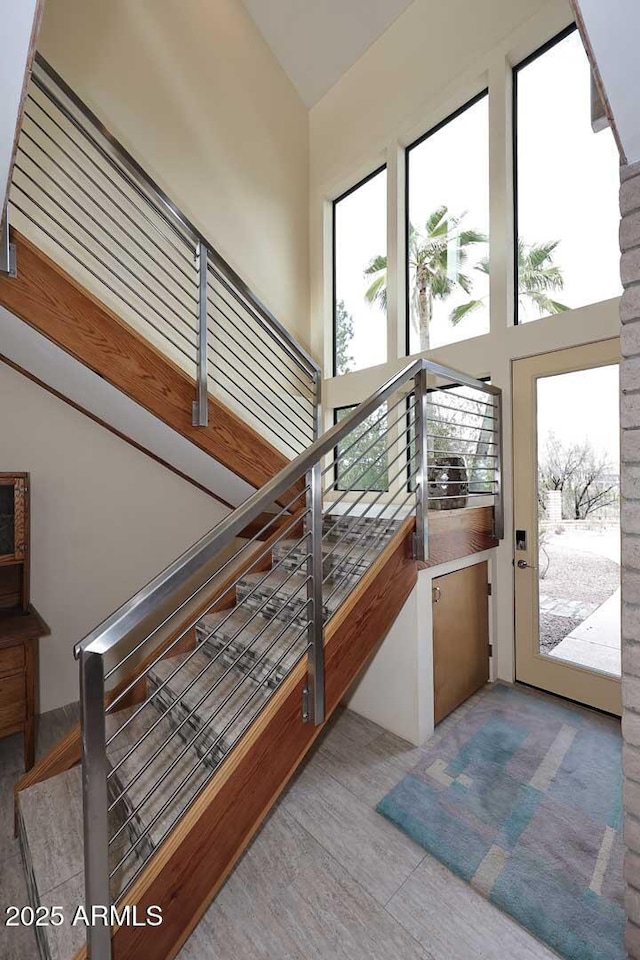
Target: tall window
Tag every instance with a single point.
(448, 230)
(567, 186)
(360, 275)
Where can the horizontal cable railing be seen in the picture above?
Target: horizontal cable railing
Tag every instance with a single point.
(173, 679)
(89, 206)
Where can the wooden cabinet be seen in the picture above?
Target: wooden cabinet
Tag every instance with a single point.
(14, 541)
(460, 636)
(21, 626)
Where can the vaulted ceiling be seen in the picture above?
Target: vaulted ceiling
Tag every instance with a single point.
(316, 41)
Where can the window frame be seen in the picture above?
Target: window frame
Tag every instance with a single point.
(407, 154)
(334, 285)
(539, 52)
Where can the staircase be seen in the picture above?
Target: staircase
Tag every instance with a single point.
(201, 695)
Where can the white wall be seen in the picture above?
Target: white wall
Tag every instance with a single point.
(17, 21)
(193, 91)
(105, 518)
(432, 60)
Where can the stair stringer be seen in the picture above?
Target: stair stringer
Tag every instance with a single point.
(196, 858)
(47, 298)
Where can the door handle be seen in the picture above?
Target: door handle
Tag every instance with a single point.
(522, 564)
(437, 593)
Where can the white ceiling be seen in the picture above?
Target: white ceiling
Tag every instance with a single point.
(316, 41)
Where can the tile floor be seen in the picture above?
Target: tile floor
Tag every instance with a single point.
(327, 877)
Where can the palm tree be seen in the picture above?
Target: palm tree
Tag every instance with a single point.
(430, 264)
(433, 279)
(538, 276)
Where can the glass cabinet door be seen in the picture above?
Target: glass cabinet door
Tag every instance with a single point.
(7, 519)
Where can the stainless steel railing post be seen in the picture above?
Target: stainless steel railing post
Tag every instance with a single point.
(201, 403)
(316, 710)
(422, 467)
(7, 250)
(498, 500)
(95, 800)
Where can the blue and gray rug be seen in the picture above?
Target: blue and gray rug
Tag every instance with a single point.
(522, 798)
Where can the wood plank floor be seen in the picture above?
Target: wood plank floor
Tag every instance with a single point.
(327, 877)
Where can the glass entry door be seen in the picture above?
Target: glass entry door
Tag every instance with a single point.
(567, 523)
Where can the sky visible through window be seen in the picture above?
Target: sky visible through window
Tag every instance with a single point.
(582, 406)
(360, 235)
(568, 179)
(450, 169)
(568, 218)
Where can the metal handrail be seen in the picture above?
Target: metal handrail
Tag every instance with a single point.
(268, 614)
(168, 585)
(172, 212)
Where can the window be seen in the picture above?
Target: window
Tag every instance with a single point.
(567, 186)
(360, 275)
(448, 230)
(362, 459)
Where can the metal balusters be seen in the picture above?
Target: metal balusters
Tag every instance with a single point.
(257, 613)
(92, 208)
(201, 403)
(422, 466)
(315, 705)
(498, 503)
(95, 799)
(7, 251)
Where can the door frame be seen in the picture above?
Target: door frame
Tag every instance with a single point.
(575, 682)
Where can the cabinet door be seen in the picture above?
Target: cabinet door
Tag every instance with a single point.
(7, 520)
(460, 636)
(20, 518)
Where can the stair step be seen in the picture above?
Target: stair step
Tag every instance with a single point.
(159, 732)
(160, 776)
(353, 528)
(278, 588)
(51, 841)
(232, 689)
(254, 642)
(348, 557)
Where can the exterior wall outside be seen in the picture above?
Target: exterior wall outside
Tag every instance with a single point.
(193, 91)
(392, 95)
(630, 476)
(105, 518)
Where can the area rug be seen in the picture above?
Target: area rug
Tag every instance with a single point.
(522, 798)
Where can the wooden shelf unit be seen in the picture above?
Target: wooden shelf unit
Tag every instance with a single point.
(21, 626)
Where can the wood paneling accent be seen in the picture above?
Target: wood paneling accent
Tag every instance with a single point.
(460, 636)
(459, 533)
(52, 302)
(225, 817)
